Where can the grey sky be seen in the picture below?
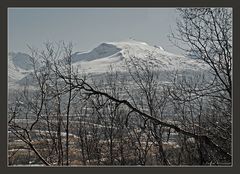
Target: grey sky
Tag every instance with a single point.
(88, 27)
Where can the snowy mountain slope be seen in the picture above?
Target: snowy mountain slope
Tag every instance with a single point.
(18, 66)
(21, 60)
(115, 54)
(118, 53)
(103, 50)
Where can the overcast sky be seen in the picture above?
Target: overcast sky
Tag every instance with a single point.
(88, 27)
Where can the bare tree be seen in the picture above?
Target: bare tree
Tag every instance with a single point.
(206, 34)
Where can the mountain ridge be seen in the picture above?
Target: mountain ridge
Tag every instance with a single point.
(106, 54)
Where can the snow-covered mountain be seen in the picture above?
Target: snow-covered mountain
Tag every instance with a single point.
(19, 66)
(100, 58)
(116, 54)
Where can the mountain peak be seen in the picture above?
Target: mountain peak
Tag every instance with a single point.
(129, 41)
(20, 60)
